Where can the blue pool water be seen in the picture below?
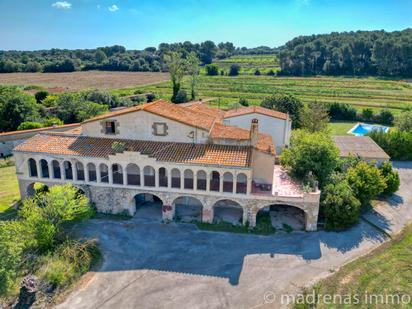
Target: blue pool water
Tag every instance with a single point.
(362, 128)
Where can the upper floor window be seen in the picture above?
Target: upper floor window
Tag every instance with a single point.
(110, 127)
(159, 128)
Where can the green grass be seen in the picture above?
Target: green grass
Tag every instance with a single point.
(359, 92)
(387, 270)
(249, 63)
(9, 189)
(341, 127)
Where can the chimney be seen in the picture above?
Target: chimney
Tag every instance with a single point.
(254, 132)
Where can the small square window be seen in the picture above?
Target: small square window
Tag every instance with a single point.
(160, 129)
(110, 127)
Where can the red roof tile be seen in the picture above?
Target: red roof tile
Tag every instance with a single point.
(255, 109)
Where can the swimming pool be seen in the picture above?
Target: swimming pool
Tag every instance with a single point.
(361, 129)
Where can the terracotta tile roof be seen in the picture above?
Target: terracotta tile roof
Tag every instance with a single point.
(203, 108)
(65, 144)
(220, 131)
(362, 146)
(167, 110)
(255, 109)
(64, 126)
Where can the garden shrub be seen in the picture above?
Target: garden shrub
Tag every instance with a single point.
(28, 125)
(391, 177)
(243, 102)
(340, 207)
(234, 69)
(181, 97)
(397, 144)
(366, 181)
(41, 95)
(212, 69)
(403, 122)
(338, 111)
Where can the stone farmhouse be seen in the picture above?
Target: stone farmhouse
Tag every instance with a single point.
(187, 158)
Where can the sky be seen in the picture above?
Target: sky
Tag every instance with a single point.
(42, 24)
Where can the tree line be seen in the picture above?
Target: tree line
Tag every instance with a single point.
(117, 58)
(377, 53)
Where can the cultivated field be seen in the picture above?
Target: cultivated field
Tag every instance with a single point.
(75, 81)
(250, 63)
(359, 92)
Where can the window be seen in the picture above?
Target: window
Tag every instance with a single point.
(110, 127)
(159, 128)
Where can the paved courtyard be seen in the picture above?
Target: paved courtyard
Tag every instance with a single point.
(152, 265)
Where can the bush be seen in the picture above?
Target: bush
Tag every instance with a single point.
(385, 117)
(366, 181)
(257, 72)
(397, 144)
(212, 69)
(311, 152)
(391, 177)
(234, 69)
(29, 125)
(367, 114)
(271, 73)
(243, 102)
(181, 97)
(403, 121)
(338, 111)
(340, 207)
(41, 95)
(52, 121)
(150, 97)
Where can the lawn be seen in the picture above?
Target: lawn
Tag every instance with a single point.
(9, 189)
(341, 127)
(360, 92)
(385, 271)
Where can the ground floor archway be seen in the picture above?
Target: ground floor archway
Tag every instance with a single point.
(188, 209)
(282, 217)
(148, 206)
(36, 188)
(228, 211)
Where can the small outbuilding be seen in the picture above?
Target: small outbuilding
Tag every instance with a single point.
(361, 146)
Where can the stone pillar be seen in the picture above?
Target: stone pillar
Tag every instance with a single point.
(157, 178)
(182, 180)
(207, 214)
(249, 186)
(168, 212)
(252, 217)
(124, 177)
(38, 167)
(207, 182)
(169, 178)
(141, 177)
(311, 221)
(110, 172)
(234, 182)
(195, 180)
(74, 170)
(245, 217)
(98, 175)
(221, 183)
(86, 173)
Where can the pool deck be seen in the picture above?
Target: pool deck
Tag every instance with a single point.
(366, 128)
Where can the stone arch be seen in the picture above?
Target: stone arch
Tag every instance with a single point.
(176, 178)
(104, 173)
(201, 180)
(44, 169)
(68, 170)
(283, 216)
(32, 167)
(163, 178)
(35, 187)
(92, 173)
(215, 181)
(133, 174)
(79, 171)
(228, 182)
(241, 183)
(117, 174)
(188, 208)
(229, 211)
(57, 173)
(84, 190)
(188, 179)
(148, 205)
(149, 176)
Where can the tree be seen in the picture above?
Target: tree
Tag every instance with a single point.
(99, 56)
(386, 117)
(311, 153)
(41, 95)
(243, 102)
(367, 114)
(341, 111)
(212, 70)
(366, 180)
(339, 205)
(207, 52)
(193, 71)
(403, 121)
(177, 67)
(314, 117)
(286, 104)
(181, 96)
(391, 177)
(234, 69)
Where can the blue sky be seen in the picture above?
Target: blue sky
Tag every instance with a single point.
(42, 24)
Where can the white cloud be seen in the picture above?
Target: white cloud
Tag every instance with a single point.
(113, 8)
(62, 5)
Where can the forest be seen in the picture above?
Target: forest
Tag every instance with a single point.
(377, 53)
(117, 58)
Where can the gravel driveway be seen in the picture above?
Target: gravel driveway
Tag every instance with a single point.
(152, 265)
